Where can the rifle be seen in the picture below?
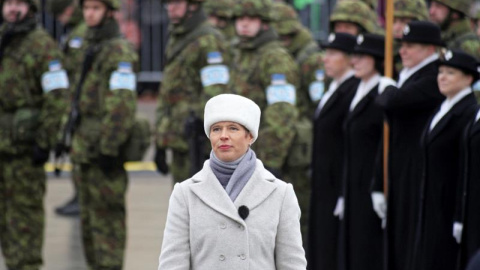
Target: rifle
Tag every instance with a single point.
(74, 116)
(196, 139)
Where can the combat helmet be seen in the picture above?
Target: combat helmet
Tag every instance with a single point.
(355, 12)
(219, 8)
(254, 8)
(373, 4)
(112, 4)
(462, 6)
(414, 9)
(285, 19)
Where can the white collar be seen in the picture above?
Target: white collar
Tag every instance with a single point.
(363, 89)
(478, 116)
(450, 102)
(345, 76)
(406, 73)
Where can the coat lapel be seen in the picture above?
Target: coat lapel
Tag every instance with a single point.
(329, 103)
(210, 191)
(475, 126)
(453, 113)
(258, 188)
(364, 102)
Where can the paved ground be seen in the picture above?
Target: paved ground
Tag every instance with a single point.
(147, 202)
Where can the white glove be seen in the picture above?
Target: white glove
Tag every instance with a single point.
(384, 82)
(379, 205)
(339, 208)
(457, 231)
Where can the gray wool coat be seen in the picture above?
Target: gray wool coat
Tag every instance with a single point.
(204, 230)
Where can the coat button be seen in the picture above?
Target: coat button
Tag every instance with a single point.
(223, 226)
(241, 227)
(242, 256)
(221, 258)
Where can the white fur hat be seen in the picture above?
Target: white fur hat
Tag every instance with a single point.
(232, 108)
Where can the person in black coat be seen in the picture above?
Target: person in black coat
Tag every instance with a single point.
(407, 108)
(436, 248)
(467, 222)
(328, 151)
(361, 232)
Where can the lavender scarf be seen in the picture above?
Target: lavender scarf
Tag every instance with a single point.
(234, 175)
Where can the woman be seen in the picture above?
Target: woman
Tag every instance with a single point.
(361, 230)
(468, 206)
(328, 150)
(233, 214)
(441, 142)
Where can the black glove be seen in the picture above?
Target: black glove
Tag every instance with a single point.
(108, 163)
(40, 155)
(276, 172)
(161, 160)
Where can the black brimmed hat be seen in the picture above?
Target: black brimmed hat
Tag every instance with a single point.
(370, 44)
(340, 41)
(461, 60)
(423, 32)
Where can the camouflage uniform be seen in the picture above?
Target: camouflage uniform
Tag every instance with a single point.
(223, 10)
(182, 90)
(306, 53)
(107, 107)
(356, 12)
(416, 10)
(30, 110)
(304, 50)
(71, 44)
(258, 62)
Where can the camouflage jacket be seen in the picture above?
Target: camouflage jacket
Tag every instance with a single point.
(254, 64)
(72, 48)
(460, 36)
(182, 90)
(107, 108)
(310, 61)
(30, 105)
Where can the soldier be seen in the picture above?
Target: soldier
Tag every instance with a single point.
(105, 101)
(405, 11)
(33, 97)
(195, 71)
(353, 17)
(70, 15)
(451, 16)
(304, 49)
(301, 46)
(264, 71)
(220, 15)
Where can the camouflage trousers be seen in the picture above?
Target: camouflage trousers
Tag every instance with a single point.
(300, 180)
(22, 217)
(103, 214)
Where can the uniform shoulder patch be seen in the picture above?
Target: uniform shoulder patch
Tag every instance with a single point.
(280, 90)
(317, 87)
(215, 72)
(123, 77)
(55, 78)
